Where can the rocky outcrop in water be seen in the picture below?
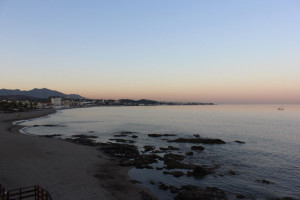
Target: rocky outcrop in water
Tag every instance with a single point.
(199, 172)
(200, 148)
(198, 140)
(160, 135)
(239, 142)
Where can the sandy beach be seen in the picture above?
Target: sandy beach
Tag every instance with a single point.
(66, 170)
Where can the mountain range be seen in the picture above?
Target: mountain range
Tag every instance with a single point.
(38, 93)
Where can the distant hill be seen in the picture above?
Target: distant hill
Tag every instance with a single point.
(38, 93)
(141, 101)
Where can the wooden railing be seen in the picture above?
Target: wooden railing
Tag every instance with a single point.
(33, 192)
(2, 193)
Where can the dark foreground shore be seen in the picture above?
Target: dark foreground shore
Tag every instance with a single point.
(66, 170)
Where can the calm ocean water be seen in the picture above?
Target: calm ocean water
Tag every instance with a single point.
(271, 152)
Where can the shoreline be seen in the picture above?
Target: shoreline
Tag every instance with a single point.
(66, 170)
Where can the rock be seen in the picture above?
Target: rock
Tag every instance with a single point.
(240, 142)
(264, 181)
(168, 148)
(209, 193)
(143, 161)
(240, 196)
(127, 132)
(125, 152)
(157, 151)
(134, 136)
(174, 173)
(232, 172)
(189, 153)
(284, 198)
(159, 168)
(148, 148)
(198, 140)
(135, 181)
(85, 136)
(189, 187)
(51, 136)
(171, 156)
(163, 186)
(174, 189)
(199, 172)
(83, 141)
(51, 125)
(152, 182)
(174, 164)
(122, 140)
(160, 135)
(201, 148)
(120, 135)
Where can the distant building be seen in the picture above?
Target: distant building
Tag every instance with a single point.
(56, 101)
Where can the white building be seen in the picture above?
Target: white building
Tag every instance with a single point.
(56, 101)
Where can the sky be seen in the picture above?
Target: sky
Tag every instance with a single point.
(217, 51)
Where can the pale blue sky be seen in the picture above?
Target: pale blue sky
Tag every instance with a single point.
(222, 51)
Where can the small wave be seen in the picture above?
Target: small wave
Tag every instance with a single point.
(23, 131)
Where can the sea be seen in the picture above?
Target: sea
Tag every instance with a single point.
(271, 151)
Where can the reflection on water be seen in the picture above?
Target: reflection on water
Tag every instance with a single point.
(271, 152)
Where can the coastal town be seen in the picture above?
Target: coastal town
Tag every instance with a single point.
(7, 104)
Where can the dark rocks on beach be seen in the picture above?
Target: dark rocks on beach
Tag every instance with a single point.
(174, 189)
(129, 155)
(174, 164)
(133, 181)
(199, 172)
(152, 182)
(169, 148)
(148, 148)
(200, 148)
(85, 136)
(163, 186)
(143, 161)
(174, 173)
(157, 151)
(171, 156)
(49, 125)
(240, 142)
(232, 172)
(127, 132)
(122, 151)
(83, 141)
(198, 140)
(159, 168)
(240, 196)
(284, 198)
(160, 135)
(264, 181)
(51, 136)
(122, 140)
(209, 193)
(120, 135)
(189, 153)
(189, 187)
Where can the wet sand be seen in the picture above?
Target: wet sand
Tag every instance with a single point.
(66, 170)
